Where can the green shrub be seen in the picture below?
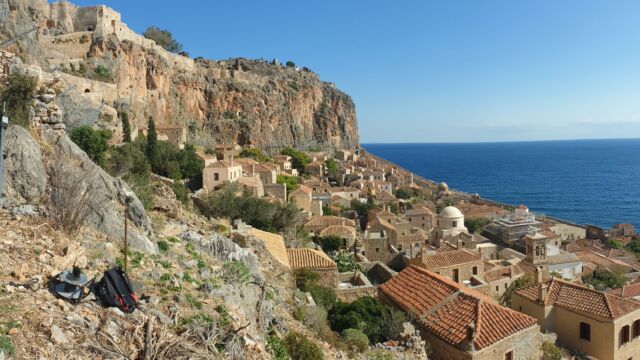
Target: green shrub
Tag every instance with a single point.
(551, 352)
(323, 296)
(6, 347)
(101, 73)
(193, 302)
(236, 272)
(163, 246)
(93, 142)
(603, 280)
(277, 348)
(298, 158)
(475, 224)
(181, 192)
(355, 340)
(300, 348)
(404, 194)
(306, 277)
(290, 64)
(18, 96)
(255, 154)
(163, 38)
(126, 126)
(378, 321)
(291, 182)
(520, 283)
(257, 212)
(345, 262)
(329, 243)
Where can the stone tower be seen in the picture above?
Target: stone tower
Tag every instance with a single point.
(536, 249)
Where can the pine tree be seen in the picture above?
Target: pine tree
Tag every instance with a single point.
(152, 141)
(126, 127)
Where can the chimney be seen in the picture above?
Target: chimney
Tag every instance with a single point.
(538, 275)
(542, 292)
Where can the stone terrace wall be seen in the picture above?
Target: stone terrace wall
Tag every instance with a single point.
(6, 61)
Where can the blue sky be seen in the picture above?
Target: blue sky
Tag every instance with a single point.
(437, 71)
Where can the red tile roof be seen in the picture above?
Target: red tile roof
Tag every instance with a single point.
(304, 258)
(449, 258)
(449, 310)
(499, 272)
(580, 299)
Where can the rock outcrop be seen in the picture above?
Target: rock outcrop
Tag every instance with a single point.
(237, 100)
(25, 178)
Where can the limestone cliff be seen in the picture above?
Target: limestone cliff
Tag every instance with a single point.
(238, 100)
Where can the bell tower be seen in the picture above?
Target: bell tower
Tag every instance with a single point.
(536, 249)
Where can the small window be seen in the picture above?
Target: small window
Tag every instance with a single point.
(585, 331)
(216, 177)
(624, 335)
(456, 277)
(520, 308)
(454, 224)
(475, 268)
(497, 288)
(417, 245)
(508, 355)
(363, 253)
(636, 329)
(377, 249)
(400, 247)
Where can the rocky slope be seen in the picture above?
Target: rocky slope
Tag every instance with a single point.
(238, 100)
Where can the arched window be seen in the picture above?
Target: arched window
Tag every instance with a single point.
(636, 329)
(624, 335)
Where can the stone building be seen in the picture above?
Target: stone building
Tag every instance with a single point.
(460, 323)
(462, 266)
(501, 277)
(318, 223)
(316, 261)
(602, 325)
(622, 230)
(220, 172)
(302, 198)
(347, 234)
(420, 216)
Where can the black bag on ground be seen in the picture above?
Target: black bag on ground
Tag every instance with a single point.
(114, 290)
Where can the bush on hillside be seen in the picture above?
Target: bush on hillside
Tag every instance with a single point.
(18, 96)
(232, 203)
(355, 340)
(163, 38)
(91, 141)
(378, 321)
(255, 154)
(404, 194)
(298, 158)
(300, 348)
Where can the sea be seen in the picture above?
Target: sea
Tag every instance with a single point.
(584, 181)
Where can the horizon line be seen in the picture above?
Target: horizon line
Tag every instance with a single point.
(493, 141)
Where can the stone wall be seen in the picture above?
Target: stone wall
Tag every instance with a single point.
(6, 61)
(278, 191)
(357, 286)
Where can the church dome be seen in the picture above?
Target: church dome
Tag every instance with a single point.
(450, 212)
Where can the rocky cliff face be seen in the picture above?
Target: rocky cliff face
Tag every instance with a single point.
(250, 102)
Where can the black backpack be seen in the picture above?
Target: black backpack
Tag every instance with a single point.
(114, 290)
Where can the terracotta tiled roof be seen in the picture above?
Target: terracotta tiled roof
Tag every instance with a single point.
(303, 258)
(580, 299)
(449, 258)
(328, 220)
(342, 231)
(627, 291)
(448, 310)
(303, 189)
(418, 210)
(499, 272)
(223, 164)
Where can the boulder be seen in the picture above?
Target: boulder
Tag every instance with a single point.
(25, 178)
(58, 336)
(108, 217)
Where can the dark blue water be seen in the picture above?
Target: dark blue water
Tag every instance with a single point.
(585, 181)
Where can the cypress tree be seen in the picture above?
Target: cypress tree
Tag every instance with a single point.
(152, 141)
(126, 127)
